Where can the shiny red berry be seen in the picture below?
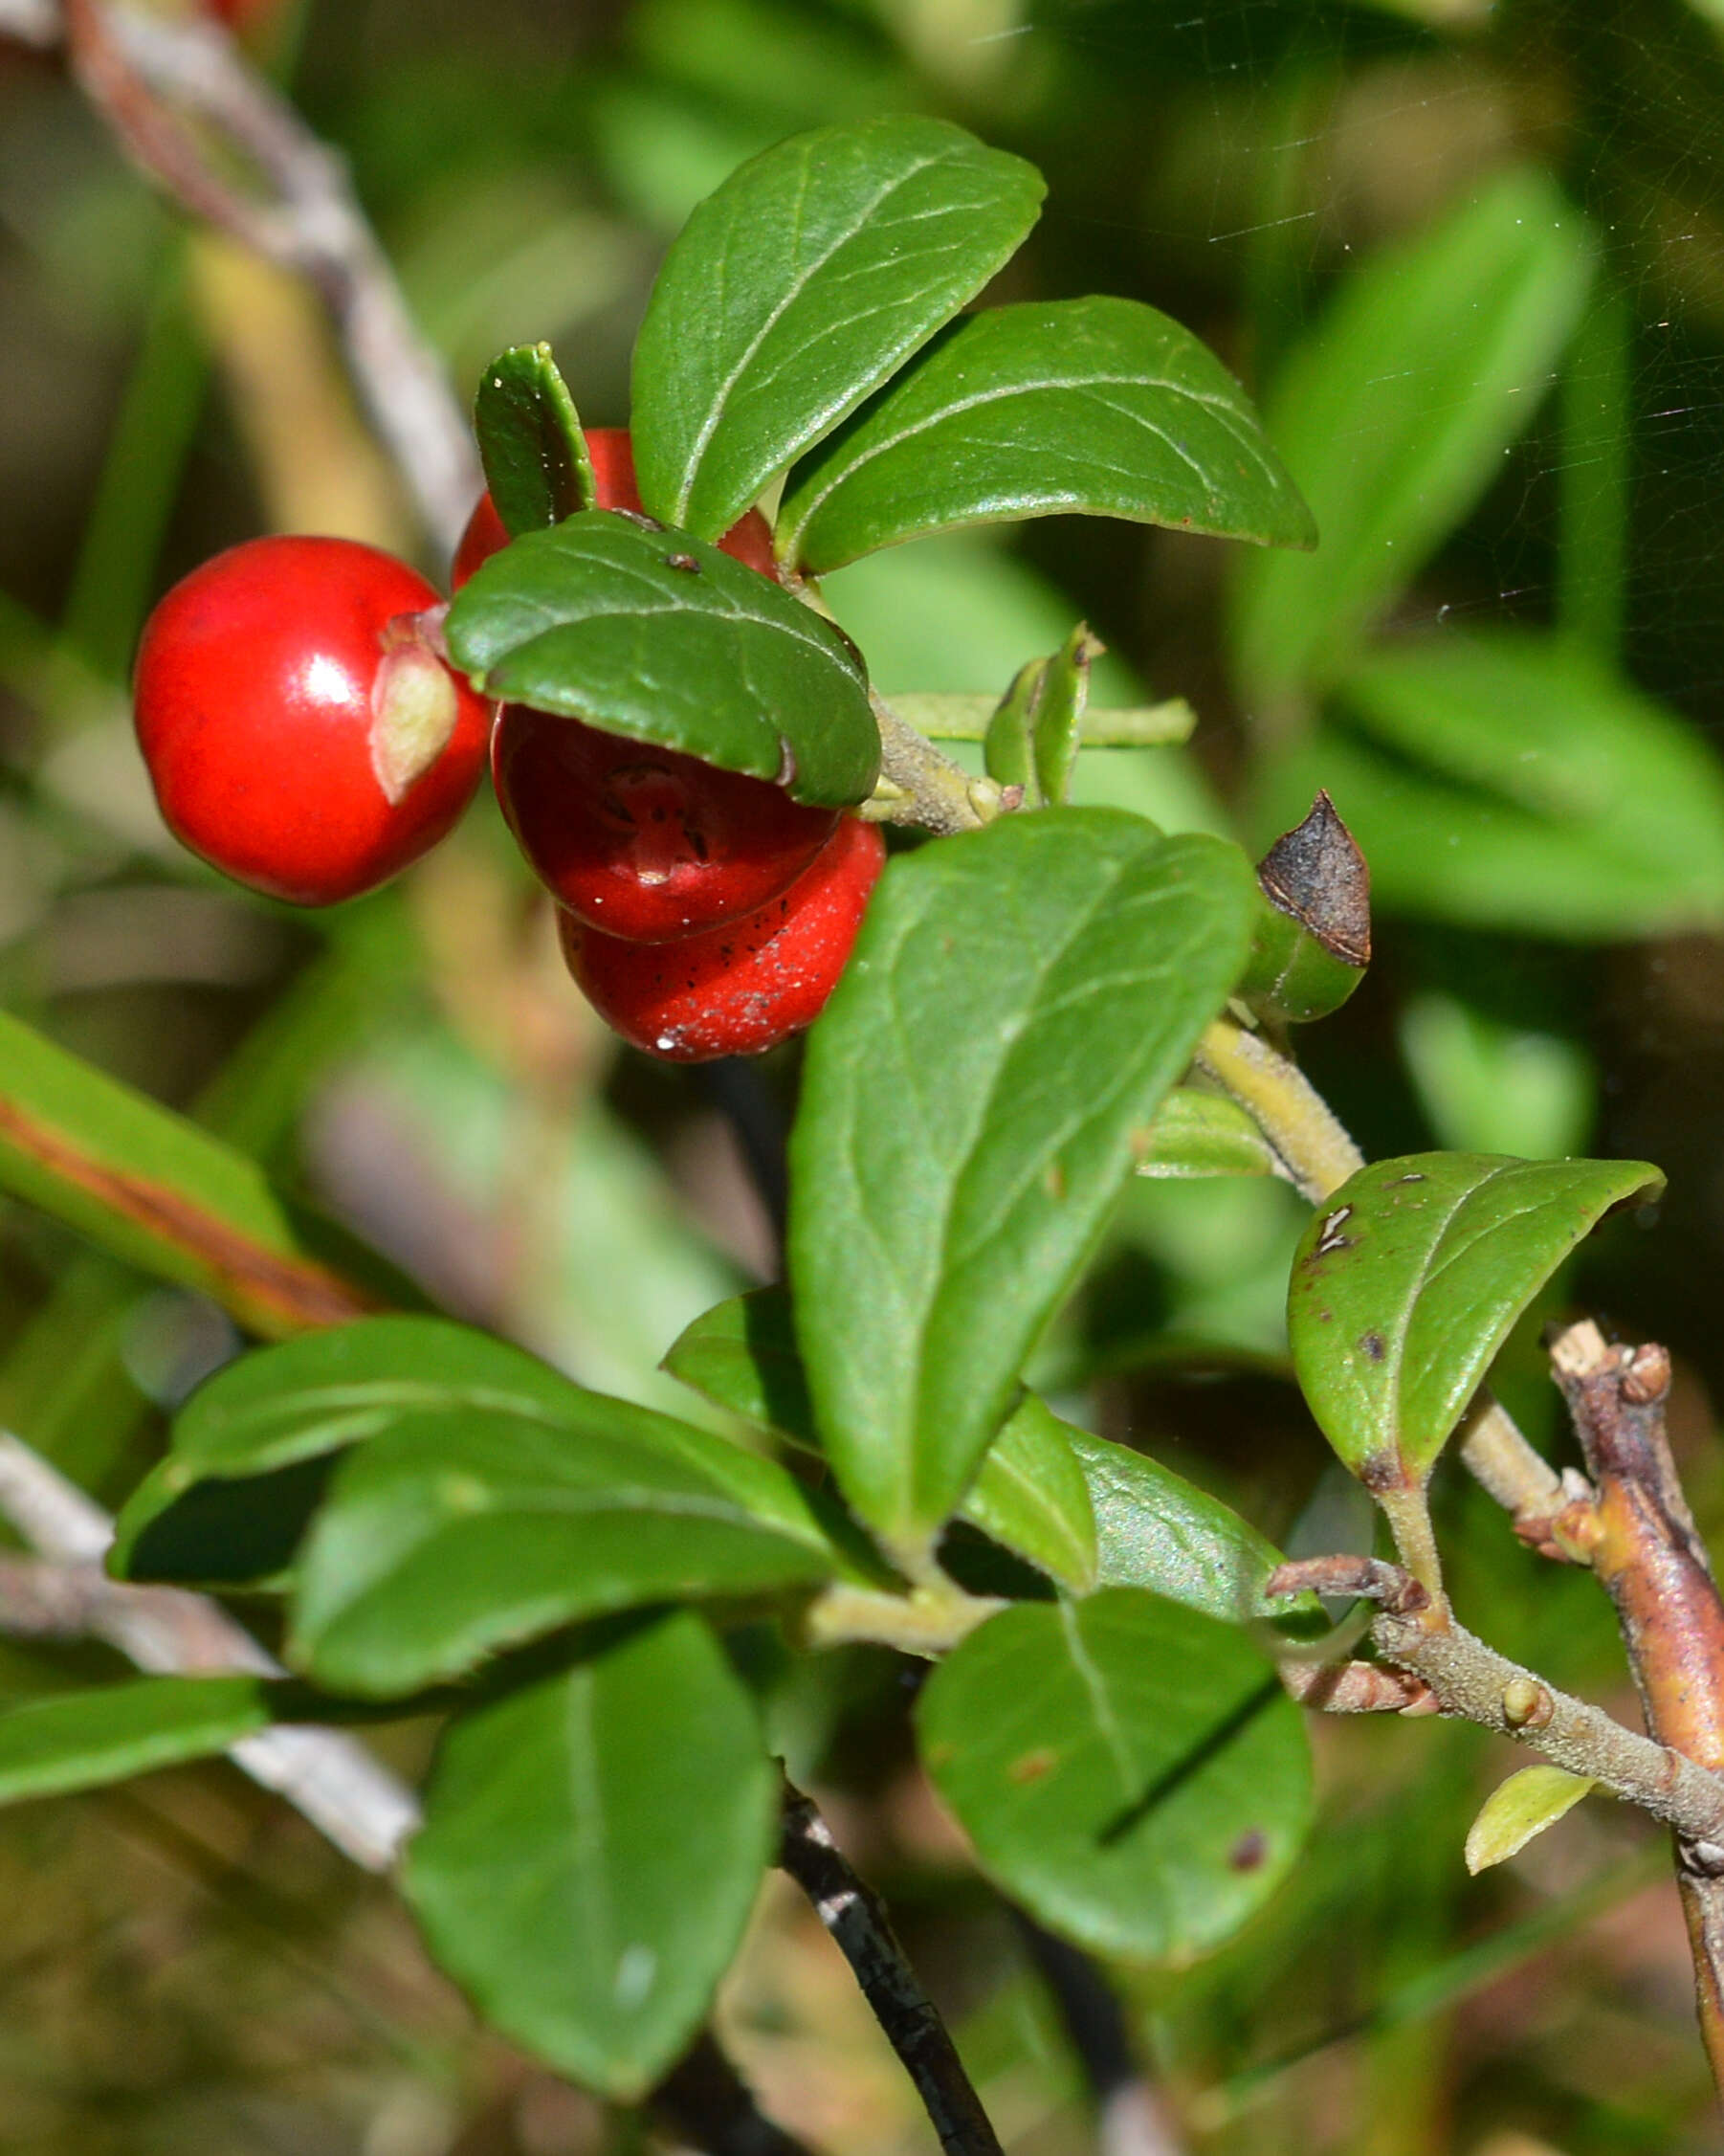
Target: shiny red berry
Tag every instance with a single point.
(743, 987)
(749, 540)
(300, 732)
(644, 842)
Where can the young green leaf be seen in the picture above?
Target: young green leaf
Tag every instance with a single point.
(1394, 414)
(1129, 1770)
(156, 1190)
(1029, 1493)
(458, 1534)
(1196, 1134)
(1059, 711)
(1006, 754)
(1520, 1809)
(652, 635)
(84, 1740)
(1020, 1000)
(593, 1843)
(1408, 1282)
(530, 441)
(1101, 406)
(797, 287)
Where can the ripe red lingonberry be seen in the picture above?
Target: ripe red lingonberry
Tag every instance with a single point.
(743, 987)
(749, 540)
(641, 841)
(301, 731)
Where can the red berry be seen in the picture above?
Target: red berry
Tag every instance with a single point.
(644, 842)
(302, 734)
(738, 990)
(749, 540)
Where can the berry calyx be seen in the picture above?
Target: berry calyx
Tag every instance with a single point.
(644, 842)
(303, 733)
(749, 540)
(739, 990)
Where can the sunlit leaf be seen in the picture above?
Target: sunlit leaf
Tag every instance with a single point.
(652, 635)
(1129, 1771)
(797, 287)
(1101, 406)
(1018, 1001)
(537, 468)
(1520, 1809)
(106, 1733)
(1410, 1280)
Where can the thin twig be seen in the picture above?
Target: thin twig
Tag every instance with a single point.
(856, 1918)
(348, 1794)
(1642, 1542)
(713, 2110)
(150, 78)
(1321, 1156)
(1473, 1682)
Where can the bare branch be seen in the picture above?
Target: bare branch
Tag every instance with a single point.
(149, 80)
(348, 1795)
(856, 1918)
(1472, 1682)
(1640, 1538)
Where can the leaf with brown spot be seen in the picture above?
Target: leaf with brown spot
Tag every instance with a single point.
(1426, 1262)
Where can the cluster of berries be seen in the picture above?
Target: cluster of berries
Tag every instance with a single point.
(304, 736)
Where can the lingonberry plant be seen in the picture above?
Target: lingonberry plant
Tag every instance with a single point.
(1042, 1001)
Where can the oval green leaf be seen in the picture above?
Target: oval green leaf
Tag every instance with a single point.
(593, 1843)
(1394, 413)
(456, 1535)
(1518, 1809)
(1029, 1492)
(652, 635)
(797, 287)
(537, 467)
(1100, 406)
(1020, 1000)
(86, 1740)
(1129, 1770)
(1410, 1279)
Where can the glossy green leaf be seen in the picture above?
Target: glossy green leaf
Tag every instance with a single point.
(1129, 1770)
(327, 1390)
(1029, 1492)
(153, 1188)
(1018, 1001)
(593, 1843)
(1408, 1282)
(797, 287)
(1394, 413)
(1196, 1134)
(1518, 1809)
(1543, 732)
(458, 1534)
(530, 441)
(652, 635)
(84, 1739)
(1100, 406)
(1155, 1530)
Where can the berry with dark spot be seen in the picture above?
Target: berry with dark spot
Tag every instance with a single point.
(741, 989)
